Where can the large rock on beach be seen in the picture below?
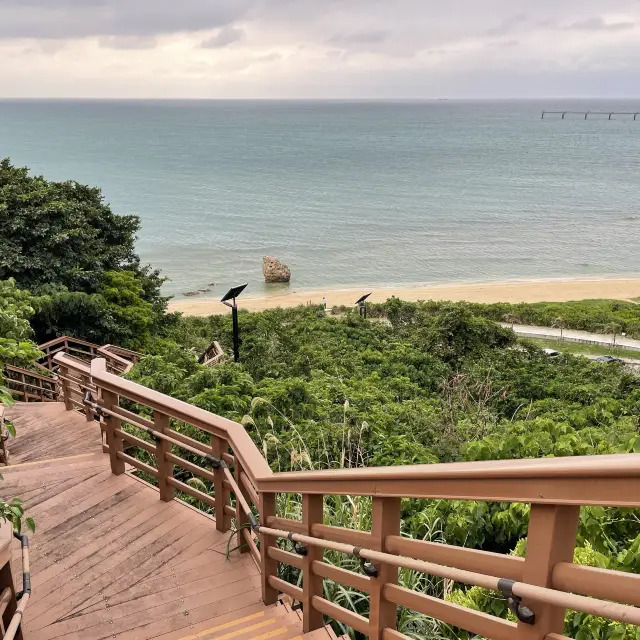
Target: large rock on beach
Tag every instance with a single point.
(274, 270)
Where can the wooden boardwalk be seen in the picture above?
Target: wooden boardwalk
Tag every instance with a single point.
(110, 560)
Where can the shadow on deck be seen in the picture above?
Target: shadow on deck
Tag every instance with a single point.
(108, 559)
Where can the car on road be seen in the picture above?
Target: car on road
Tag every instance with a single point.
(608, 359)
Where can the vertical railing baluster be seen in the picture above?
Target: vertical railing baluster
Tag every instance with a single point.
(241, 517)
(385, 521)
(165, 468)
(66, 396)
(268, 566)
(114, 442)
(551, 539)
(220, 492)
(312, 513)
(88, 411)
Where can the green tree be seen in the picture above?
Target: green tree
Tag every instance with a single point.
(61, 238)
(560, 323)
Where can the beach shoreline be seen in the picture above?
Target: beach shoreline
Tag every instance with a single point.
(551, 290)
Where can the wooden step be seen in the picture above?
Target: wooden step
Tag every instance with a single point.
(270, 623)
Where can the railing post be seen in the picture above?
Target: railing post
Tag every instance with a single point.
(66, 396)
(551, 539)
(115, 443)
(6, 581)
(165, 468)
(241, 517)
(312, 513)
(268, 566)
(88, 411)
(220, 493)
(385, 521)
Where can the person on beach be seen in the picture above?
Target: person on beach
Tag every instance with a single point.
(324, 302)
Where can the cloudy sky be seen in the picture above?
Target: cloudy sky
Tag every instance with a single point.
(319, 48)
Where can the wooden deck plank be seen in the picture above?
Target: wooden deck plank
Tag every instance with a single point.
(101, 614)
(82, 568)
(84, 548)
(97, 519)
(109, 559)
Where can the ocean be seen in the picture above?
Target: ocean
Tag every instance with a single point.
(351, 193)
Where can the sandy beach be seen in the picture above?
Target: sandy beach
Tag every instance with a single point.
(512, 291)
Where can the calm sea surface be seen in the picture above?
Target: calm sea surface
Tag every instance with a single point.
(354, 193)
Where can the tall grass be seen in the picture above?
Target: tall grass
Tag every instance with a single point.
(350, 512)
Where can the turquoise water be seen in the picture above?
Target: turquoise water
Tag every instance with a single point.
(350, 194)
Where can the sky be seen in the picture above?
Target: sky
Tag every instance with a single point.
(319, 48)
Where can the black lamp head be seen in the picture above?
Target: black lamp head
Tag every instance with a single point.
(233, 293)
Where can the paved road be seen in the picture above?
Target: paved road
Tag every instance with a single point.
(530, 331)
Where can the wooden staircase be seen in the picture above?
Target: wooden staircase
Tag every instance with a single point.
(276, 622)
(109, 560)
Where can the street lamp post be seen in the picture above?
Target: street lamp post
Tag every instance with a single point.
(361, 302)
(229, 299)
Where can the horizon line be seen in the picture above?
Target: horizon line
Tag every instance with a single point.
(315, 99)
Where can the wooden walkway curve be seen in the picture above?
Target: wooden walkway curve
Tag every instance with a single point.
(110, 560)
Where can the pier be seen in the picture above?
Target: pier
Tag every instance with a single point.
(586, 114)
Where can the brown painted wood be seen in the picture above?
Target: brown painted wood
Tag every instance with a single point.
(351, 619)
(385, 522)
(469, 559)
(165, 467)
(342, 576)
(221, 493)
(597, 583)
(551, 539)
(269, 566)
(312, 513)
(108, 553)
(285, 557)
(241, 517)
(475, 621)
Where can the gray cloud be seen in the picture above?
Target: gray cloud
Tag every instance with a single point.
(224, 37)
(507, 26)
(376, 36)
(127, 42)
(331, 47)
(83, 18)
(599, 24)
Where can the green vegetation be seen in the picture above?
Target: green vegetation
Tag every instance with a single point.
(435, 382)
(597, 316)
(62, 243)
(581, 348)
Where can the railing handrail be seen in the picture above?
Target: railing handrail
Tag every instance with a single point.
(28, 372)
(126, 365)
(610, 465)
(485, 480)
(547, 576)
(63, 339)
(244, 447)
(114, 349)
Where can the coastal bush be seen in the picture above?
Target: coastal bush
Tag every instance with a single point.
(434, 383)
(597, 316)
(61, 242)
(16, 346)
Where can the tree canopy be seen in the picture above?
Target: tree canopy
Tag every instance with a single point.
(62, 243)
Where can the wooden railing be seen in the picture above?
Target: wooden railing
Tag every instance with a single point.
(119, 360)
(540, 588)
(213, 354)
(29, 386)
